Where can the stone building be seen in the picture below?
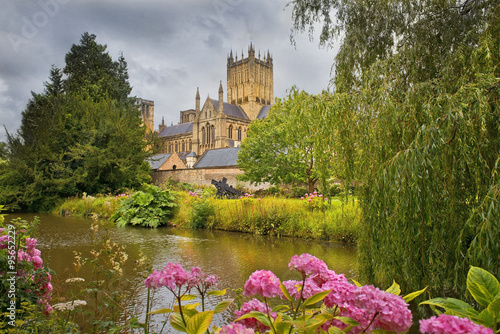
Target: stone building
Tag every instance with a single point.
(218, 124)
(147, 109)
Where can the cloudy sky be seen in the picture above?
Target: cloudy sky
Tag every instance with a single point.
(171, 47)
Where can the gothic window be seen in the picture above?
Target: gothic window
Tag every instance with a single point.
(213, 134)
(208, 134)
(230, 132)
(169, 148)
(203, 136)
(239, 133)
(190, 145)
(246, 75)
(176, 147)
(183, 146)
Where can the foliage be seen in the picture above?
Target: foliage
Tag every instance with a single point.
(87, 206)
(26, 289)
(419, 81)
(151, 207)
(288, 146)
(202, 209)
(485, 289)
(338, 221)
(77, 136)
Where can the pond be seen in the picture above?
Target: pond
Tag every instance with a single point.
(230, 255)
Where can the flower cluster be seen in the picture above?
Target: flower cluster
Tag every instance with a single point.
(263, 283)
(252, 323)
(30, 271)
(69, 306)
(175, 278)
(448, 324)
(121, 196)
(315, 201)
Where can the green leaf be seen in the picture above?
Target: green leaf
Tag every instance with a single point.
(348, 321)
(409, 297)
(162, 311)
(486, 318)
(188, 309)
(177, 323)
(381, 331)
(395, 289)
(186, 298)
(200, 322)
(455, 306)
(482, 285)
(281, 308)
(356, 283)
(217, 293)
(335, 330)
(494, 306)
(222, 306)
(285, 292)
(282, 327)
(316, 298)
(261, 317)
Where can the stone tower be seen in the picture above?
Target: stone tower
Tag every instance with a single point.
(147, 109)
(250, 81)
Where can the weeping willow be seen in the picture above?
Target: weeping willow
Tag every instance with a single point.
(428, 165)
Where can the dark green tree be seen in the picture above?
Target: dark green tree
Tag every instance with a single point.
(82, 134)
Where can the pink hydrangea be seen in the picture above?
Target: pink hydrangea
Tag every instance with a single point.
(37, 262)
(30, 243)
(202, 281)
(3, 241)
(235, 328)
(253, 305)
(294, 288)
(448, 324)
(263, 283)
(307, 265)
(171, 276)
(364, 304)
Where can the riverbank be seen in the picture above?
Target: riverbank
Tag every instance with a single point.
(312, 217)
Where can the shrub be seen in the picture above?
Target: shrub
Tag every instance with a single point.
(151, 207)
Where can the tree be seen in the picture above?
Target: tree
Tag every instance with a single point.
(81, 134)
(423, 80)
(290, 146)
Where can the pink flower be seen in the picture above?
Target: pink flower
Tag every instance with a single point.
(368, 304)
(235, 328)
(202, 281)
(294, 288)
(3, 241)
(30, 243)
(302, 197)
(37, 262)
(253, 305)
(264, 283)
(307, 265)
(448, 324)
(309, 200)
(171, 276)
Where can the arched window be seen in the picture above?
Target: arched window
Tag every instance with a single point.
(183, 146)
(190, 145)
(209, 135)
(230, 132)
(176, 147)
(213, 134)
(239, 133)
(203, 136)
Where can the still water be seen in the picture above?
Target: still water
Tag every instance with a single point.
(230, 255)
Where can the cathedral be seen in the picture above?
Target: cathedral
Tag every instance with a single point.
(218, 123)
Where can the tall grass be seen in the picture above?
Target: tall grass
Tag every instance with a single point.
(86, 206)
(335, 221)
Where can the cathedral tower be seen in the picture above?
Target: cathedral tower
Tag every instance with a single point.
(250, 82)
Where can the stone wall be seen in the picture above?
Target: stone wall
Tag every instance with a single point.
(203, 176)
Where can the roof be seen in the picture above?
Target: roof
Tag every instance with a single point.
(221, 157)
(264, 112)
(156, 161)
(176, 129)
(230, 109)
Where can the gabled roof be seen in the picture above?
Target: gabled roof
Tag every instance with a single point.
(221, 157)
(230, 109)
(264, 112)
(156, 161)
(176, 129)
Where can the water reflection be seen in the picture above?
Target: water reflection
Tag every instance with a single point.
(232, 256)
